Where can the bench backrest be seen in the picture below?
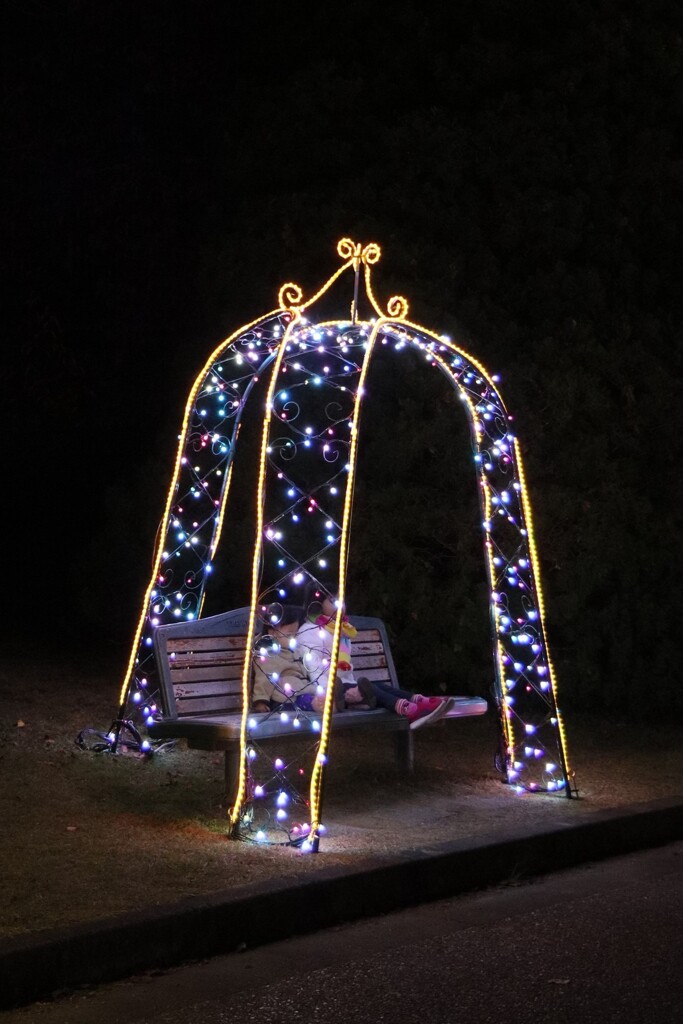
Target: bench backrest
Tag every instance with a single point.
(200, 662)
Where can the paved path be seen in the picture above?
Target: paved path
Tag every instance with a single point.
(196, 928)
(601, 942)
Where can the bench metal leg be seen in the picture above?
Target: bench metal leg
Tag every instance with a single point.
(403, 749)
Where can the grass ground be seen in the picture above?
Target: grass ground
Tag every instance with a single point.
(87, 836)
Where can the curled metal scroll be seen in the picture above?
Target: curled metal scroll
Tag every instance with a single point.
(290, 295)
(368, 254)
(397, 306)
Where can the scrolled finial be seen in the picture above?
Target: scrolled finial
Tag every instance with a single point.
(290, 295)
(371, 253)
(397, 307)
(346, 248)
(350, 250)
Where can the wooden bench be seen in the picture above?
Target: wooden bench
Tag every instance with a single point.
(200, 670)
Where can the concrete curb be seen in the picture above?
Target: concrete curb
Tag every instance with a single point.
(42, 964)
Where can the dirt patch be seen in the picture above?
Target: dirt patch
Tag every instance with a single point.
(87, 836)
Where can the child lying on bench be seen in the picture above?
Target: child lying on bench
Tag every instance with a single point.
(292, 668)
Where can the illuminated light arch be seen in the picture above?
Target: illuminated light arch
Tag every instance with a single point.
(307, 463)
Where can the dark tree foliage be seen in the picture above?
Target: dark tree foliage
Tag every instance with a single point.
(520, 163)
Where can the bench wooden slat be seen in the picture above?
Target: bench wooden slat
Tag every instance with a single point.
(203, 705)
(207, 658)
(210, 688)
(206, 672)
(206, 643)
(373, 661)
(367, 636)
(369, 648)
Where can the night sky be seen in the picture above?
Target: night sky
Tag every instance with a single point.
(169, 166)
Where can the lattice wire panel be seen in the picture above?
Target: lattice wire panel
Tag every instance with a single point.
(524, 690)
(276, 810)
(191, 525)
(305, 483)
(523, 674)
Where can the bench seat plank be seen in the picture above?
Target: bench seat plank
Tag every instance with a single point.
(211, 732)
(216, 732)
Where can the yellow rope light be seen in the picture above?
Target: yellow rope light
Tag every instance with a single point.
(290, 295)
(234, 813)
(316, 774)
(357, 253)
(370, 294)
(397, 307)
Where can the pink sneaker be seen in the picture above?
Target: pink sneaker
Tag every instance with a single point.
(428, 710)
(451, 702)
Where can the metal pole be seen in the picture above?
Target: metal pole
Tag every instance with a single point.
(354, 304)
